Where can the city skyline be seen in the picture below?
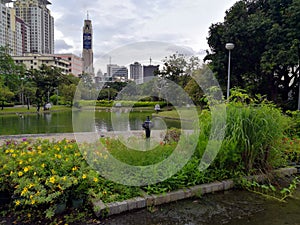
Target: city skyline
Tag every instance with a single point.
(118, 23)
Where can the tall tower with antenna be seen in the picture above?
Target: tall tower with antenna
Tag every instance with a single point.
(87, 50)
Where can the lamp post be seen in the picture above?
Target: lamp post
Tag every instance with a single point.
(22, 93)
(229, 47)
(299, 76)
(108, 92)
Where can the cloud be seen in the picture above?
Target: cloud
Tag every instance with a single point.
(62, 46)
(117, 23)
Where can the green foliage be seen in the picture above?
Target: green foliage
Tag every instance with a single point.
(291, 148)
(41, 174)
(253, 135)
(111, 103)
(268, 190)
(294, 130)
(265, 58)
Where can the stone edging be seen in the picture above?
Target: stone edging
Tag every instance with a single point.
(102, 209)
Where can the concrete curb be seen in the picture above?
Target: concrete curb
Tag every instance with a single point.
(107, 209)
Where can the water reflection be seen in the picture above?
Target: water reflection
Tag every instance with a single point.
(61, 122)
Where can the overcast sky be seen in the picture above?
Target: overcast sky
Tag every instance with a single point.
(120, 22)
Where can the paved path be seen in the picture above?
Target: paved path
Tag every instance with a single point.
(156, 135)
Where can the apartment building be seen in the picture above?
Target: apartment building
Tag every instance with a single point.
(14, 32)
(36, 14)
(35, 61)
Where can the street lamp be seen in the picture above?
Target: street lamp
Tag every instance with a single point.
(22, 91)
(108, 92)
(229, 47)
(299, 76)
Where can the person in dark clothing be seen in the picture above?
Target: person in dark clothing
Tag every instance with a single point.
(147, 125)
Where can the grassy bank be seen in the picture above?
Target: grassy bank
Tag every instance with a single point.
(24, 110)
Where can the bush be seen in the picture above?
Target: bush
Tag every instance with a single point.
(40, 174)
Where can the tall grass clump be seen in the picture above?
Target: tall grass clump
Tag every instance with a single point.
(254, 131)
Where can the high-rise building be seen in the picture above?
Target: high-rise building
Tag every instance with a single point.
(87, 50)
(36, 14)
(14, 32)
(116, 72)
(149, 72)
(136, 72)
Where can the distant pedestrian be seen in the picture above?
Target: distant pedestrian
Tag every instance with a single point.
(147, 125)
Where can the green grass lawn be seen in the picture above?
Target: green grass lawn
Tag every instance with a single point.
(174, 114)
(12, 110)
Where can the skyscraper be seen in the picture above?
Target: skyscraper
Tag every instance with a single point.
(14, 32)
(36, 14)
(87, 50)
(136, 72)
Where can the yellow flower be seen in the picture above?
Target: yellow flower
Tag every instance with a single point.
(14, 155)
(104, 192)
(83, 176)
(74, 168)
(17, 202)
(31, 185)
(52, 180)
(21, 162)
(95, 179)
(26, 169)
(43, 165)
(39, 147)
(11, 173)
(24, 191)
(65, 147)
(34, 173)
(29, 215)
(32, 202)
(64, 178)
(20, 174)
(57, 156)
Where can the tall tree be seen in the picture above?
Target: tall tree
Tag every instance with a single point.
(265, 58)
(10, 73)
(46, 80)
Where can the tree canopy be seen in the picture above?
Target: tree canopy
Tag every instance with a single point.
(266, 34)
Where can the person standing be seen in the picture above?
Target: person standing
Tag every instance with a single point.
(147, 125)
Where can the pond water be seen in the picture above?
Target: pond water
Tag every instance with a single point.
(61, 122)
(232, 207)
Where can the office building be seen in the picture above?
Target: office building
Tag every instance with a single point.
(87, 50)
(117, 73)
(149, 72)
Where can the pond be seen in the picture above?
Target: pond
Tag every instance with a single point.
(233, 207)
(61, 122)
